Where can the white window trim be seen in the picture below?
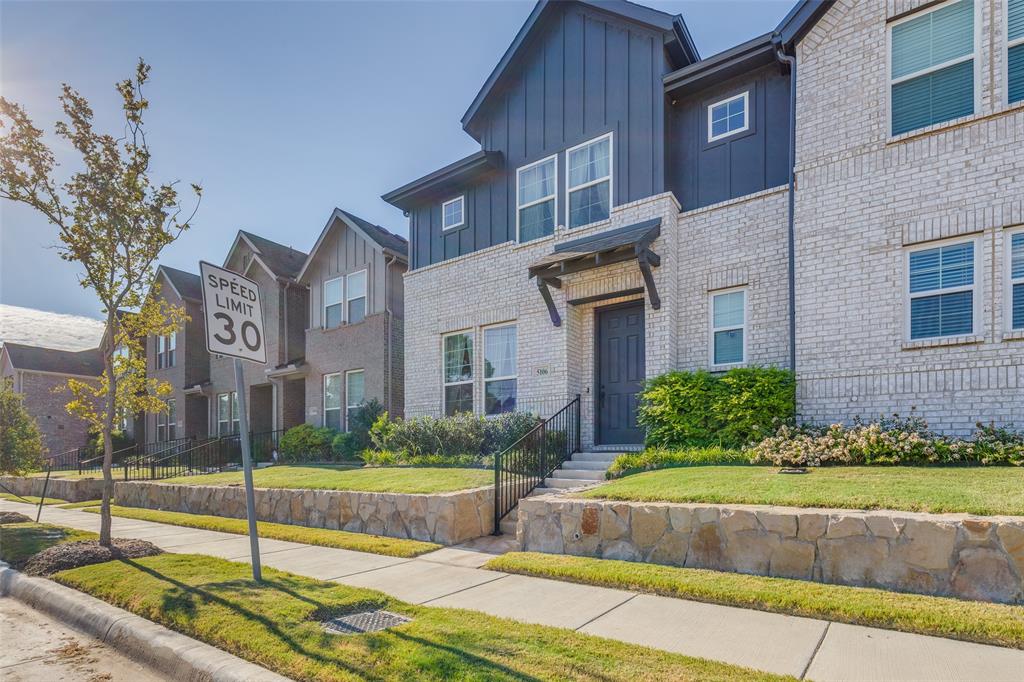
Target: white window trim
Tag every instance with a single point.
(745, 96)
(483, 360)
(976, 288)
(323, 301)
(366, 294)
(711, 325)
(554, 195)
(1007, 45)
(610, 178)
(472, 379)
(323, 400)
(895, 81)
(1010, 281)
(348, 407)
(462, 200)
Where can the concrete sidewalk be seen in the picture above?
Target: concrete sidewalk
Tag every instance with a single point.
(803, 647)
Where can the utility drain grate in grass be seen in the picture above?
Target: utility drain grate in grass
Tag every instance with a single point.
(365, 621)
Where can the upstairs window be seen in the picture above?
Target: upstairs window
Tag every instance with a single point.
(589, 172)
(932, 66)
(172, 345)
(500, 382)
(165, 346)
(332, 303)
(1015, 50)
(355, 288)
(332, 401)
(1016, 298)
(728, 327)
(941, 290)
(453, 213)
(355, 385)
(728, 117)
(536, 205)
(457, 360)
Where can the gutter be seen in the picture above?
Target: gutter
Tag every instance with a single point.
(790, 60)
(388, 315)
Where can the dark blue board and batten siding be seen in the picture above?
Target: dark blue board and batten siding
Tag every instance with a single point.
(586, 73)
(702, 173)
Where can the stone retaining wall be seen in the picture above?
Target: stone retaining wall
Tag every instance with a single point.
(448, 518)
(70, 489)
(972, 557)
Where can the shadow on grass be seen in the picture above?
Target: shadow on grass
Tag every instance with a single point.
(185, 603)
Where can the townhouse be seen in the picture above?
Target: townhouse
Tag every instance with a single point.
(840, 196)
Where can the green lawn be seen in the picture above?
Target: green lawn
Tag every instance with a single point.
(997, 624)
(82, 504)
(275, 625)
(30, 499)
(359, 542)
(975, 490)
(368, 479)
(19, 541)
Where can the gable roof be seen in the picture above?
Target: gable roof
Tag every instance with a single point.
(186, 284)
(673, 26)
(390, 243)
(87, 363)
(280, 260)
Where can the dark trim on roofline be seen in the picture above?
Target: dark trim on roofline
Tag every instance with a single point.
(439, 181)
(801, 19)
(722, 66)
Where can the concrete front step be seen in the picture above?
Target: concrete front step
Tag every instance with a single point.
(564, 482)
(582, 474)
(584, 464)
(595, 456)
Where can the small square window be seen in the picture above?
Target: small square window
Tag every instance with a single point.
(453, 213)
(728, 117)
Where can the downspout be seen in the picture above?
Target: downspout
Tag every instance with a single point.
(790, 60)
(387, 328)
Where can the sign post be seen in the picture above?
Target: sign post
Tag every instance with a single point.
(234, 328)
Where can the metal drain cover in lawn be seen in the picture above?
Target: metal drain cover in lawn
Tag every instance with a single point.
(365, 621)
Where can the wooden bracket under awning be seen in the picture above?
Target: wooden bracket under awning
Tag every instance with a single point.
(605, 248)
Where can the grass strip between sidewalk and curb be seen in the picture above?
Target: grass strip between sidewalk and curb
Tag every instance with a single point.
(19, 541)
(81, 505)
(276, 624)
(982, 622)
(339, 539)
(973, 490)
(30, 499)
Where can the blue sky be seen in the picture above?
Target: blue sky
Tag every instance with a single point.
(281, 110)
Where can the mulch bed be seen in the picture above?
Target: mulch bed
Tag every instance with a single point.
(74, 554)
(13, 517)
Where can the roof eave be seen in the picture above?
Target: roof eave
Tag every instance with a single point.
(751, 54)
(801, 19)
(454, 173)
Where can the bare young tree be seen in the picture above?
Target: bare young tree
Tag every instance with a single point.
(114, 222)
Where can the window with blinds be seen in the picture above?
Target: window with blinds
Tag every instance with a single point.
(1015, 50)
(941, 286)
(1016, 293)
(932, 66)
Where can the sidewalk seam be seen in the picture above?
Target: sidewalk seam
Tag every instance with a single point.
(821, 640)
(487, 582)
(600, 615)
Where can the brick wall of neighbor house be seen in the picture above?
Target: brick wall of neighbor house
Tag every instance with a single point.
(45, 400)
(191, 367)
(344, 348)
(397, 378)
(864, 197)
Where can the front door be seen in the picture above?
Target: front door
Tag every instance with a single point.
(620, 372)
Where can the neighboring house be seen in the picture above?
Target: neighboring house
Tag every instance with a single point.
(276, 390)
(182, 360)
(354, 343)
(629, 213)
(40, 375)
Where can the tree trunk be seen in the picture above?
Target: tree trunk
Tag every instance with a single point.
(107, 427)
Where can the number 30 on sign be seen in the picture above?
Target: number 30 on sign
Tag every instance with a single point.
(234, 316)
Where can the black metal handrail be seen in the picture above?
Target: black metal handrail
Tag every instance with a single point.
(213, 454)
(523, 466)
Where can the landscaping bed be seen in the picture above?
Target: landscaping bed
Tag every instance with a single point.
(20, 541)
(972, 490)
(998, 624)
(409, 480)
(275, 624)
(358, 542)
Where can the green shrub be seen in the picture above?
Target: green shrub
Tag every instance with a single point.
(734, 409)
(502, 431)
(661, 458)
(350, 444)
(305, 442)
(888, 441)
(120, 439)
(400, 458)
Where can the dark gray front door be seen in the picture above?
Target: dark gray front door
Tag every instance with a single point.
(620, 372)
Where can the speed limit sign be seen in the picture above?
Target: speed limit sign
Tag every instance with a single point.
(234, 316)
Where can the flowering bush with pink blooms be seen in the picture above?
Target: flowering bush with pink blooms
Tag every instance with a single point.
(891, 440)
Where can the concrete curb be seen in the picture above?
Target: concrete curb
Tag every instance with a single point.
(171, 653)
